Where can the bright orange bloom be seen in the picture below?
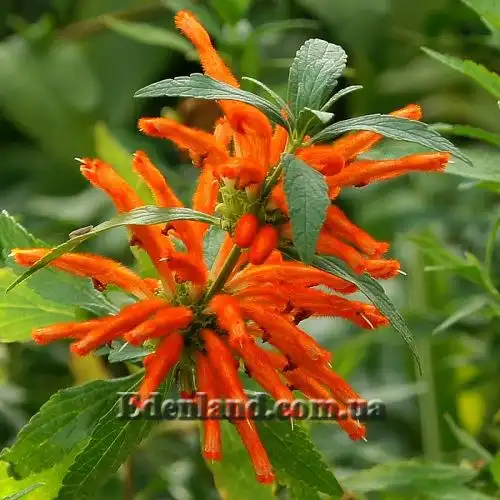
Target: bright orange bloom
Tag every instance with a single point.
(217, 316)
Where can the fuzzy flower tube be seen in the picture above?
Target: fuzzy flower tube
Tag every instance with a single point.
(246, 308)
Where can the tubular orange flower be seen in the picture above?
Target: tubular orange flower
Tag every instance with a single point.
(205, 379)
(101, 269)
(159, 363)
(216, 318)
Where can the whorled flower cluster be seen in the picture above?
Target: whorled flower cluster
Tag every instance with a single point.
(211, 320)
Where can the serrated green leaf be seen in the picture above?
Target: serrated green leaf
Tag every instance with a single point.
(301, 491)
(373, 291)
(211, 244)
(294, 455)
(467, 131)
(147, 215)
(312, 120)
(432, 481)
(51, 284)
(307, 197)
(314, 74)
(23, 310)
(66, 419)
(204, 87)
(234, 475)
(148, 34)
(488, 80)
(23, 492)
(393, 127)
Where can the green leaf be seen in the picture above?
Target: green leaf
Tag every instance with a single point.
(314, 74)
(489, 10)
(147, 215)
(24, 310)
(488, 80)
(65, 420)
(294, 455)
(148, 34)
(432, 481)
(51, 284)
(393, 127)
(466, 440)
(204, 87)
(312, 120)
(467, 131)
(23, 492)
(373, 291)
(495, 469)
(277, 98)
(338, 95)
(211, 244)
(234, 475)
(111, 442)
(109, 149)
(486, 165)
(307, 197)
(469, 307)
(121, 352)
(301, 491)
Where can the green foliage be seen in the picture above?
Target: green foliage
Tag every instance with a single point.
(393, 127)
(23, 310)
(314, 74)
(307, 198)
(204, 87)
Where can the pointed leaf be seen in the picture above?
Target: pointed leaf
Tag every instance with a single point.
(314, 74)
(51, 284)
(211, 244)
(204, 87)
(393, 127)
(467, 131)
(23, 310)
(307, 197)
(487, 79)
(234, 475)
(294, 455)
(148, 215)
(372, 290)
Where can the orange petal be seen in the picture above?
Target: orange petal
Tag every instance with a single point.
(164, 322)
(361, 173)
(160, 362)
(229, 318)
(193, 140)
(69, 330)
(129, 317)
(102, 269)
(244, 171)
(322, 158)
(278, 144)
(188, 268)
(261, 464)
(338, 223)
(212, 63)
(329, 245)
(352, 145)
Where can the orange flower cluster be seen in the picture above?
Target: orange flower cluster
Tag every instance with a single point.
(214, 319)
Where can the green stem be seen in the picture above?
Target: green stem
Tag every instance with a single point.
(225, 272)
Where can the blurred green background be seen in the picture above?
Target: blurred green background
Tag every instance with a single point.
(68, 71)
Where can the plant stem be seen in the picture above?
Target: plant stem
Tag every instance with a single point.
(225, 272)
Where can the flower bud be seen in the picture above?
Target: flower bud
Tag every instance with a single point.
(246, 230)
(263, 244)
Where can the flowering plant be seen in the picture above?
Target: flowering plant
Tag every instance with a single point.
(263, 247)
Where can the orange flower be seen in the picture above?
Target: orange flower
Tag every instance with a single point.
(215, 318)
